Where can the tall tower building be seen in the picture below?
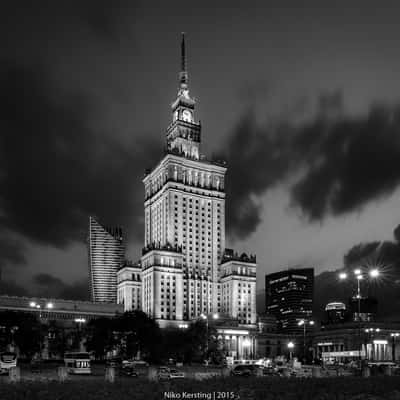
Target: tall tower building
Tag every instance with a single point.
(106, 255)
(185, 272)
(185, 211)
(289, 297)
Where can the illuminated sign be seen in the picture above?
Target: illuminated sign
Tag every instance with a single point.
(325, 344)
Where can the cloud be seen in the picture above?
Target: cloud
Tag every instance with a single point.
(99, 17)
(335, 163)
(47, 285)
(55, 170)
(11, 288)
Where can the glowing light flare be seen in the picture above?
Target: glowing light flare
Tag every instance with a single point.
(374, 273)
(290, 345)
(342, 275)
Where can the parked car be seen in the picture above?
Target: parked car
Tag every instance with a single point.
(163, 373)
(114, 362)
(169, 373)
(244, 370)
(270, 371)
(128, 370)
(135, 363)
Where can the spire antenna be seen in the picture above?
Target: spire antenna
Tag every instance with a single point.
(183, 75)
(183, 53)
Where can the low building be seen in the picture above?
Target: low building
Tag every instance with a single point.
(335, 312)
(344, 342)
(270, 343)
(58, 309)
(237, 340)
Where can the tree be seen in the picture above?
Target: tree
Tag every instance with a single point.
(100, 337)
(22, 329)
(138, 334)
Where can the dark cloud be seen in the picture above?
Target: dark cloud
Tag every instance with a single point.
(47, 285)
(47, 17)
(340, 162)
(255, 163)
(11, 250)
(11, 288)
(55, 170)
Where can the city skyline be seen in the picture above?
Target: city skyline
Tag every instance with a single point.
(119, 125)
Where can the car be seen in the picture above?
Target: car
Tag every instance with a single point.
(114, 362)
(244, 370)
(135, 363)
(270, 371)
(128, 370)
(168, 373)
(176, 374)
(163, 373)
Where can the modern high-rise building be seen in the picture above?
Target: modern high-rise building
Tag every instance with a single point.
(106, 255)
(289, 297)
(186, 272)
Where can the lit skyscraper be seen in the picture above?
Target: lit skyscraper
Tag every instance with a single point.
(185, 273)
(289, 297)
(106, 255)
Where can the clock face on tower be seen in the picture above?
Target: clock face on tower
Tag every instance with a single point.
(187, 116)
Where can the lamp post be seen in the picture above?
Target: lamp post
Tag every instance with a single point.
(304, 322)
(39, 308)
(79, 322)
(394, 336)
(359, 275)
(290, 346)
(205, 318)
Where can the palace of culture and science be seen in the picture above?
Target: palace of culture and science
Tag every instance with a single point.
(185, 270)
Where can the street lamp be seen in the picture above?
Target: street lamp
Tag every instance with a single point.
(304, 322)
(359, 275)
(37, 306)
(205, 318)
(79, 322)
(394, 336)
(290, 346)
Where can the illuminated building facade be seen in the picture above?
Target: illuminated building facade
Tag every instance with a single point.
(289, 297)
(106, 255)
(185, 271)
(129, 281)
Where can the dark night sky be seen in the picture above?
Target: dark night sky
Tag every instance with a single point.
(301, 98)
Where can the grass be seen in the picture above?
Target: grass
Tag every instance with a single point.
(349, 388)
